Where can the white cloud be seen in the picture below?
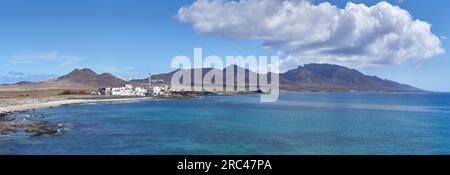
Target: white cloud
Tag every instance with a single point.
(14, 77)
(357, 35)
(47, 57)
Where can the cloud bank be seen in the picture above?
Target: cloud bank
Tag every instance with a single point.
(7, 77)
(47, 57)
(356, 36)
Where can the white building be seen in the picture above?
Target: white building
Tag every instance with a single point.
(123, 91)
(156, 90)
(128, 90)
(159, 90)
(104, 91)
(138, 91)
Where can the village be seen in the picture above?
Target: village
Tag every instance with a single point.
(129, 90)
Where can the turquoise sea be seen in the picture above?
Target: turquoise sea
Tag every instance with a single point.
(299, 123)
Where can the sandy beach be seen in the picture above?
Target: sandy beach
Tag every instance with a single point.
(15, 105)
(8, 107)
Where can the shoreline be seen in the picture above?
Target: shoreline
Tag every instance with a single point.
(9, 124)
(12, 108)
(50, 104)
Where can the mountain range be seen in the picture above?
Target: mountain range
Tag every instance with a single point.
(313, 77)
(310, 77)
(329, 77)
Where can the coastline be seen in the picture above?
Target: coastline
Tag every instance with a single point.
(56, 103)
(12, 105)
(25, 103)
(8, 108)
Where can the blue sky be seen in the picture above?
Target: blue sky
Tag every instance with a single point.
(130, 37)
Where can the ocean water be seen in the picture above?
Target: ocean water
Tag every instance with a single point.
(322, 123)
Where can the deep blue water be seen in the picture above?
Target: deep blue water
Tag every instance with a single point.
(299, 123)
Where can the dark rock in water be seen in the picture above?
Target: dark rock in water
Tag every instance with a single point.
(40, 130)
(4, 114)
(10, 124)
(37, 129)
(5, 117)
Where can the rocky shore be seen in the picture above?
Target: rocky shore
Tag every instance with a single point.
(9, 123)
(23, 104)
(35, 129)
(10, 106)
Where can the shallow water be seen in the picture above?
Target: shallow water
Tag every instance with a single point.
(299, 123)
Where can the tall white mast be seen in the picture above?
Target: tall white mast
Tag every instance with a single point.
(149, 79)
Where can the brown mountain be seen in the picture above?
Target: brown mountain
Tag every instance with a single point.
(165, 78)
(310, 77)
(328, 77)
(90, 78)
(313, 77)
(78, 79)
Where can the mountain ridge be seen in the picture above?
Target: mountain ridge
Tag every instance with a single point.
(329, 77)
(87, 76)
(317, 77)
(309, 77)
